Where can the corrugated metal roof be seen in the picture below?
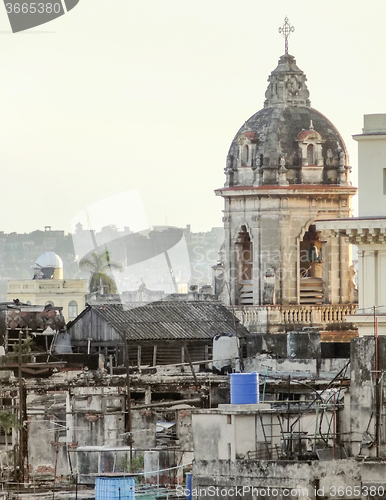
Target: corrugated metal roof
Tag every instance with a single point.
(170, 320)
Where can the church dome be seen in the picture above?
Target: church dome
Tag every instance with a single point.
(287, 142)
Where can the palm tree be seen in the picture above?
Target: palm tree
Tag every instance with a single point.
(100, 267)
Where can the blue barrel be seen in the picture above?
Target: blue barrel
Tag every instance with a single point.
(244, 388)
(189, 486)
(114, 488)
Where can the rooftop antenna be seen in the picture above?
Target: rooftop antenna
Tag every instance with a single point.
(286, 30)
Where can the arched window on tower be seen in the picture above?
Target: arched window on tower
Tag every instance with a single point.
(73, 309)
(310, 154)
(244, 255)
(245, 154)
(311, 268)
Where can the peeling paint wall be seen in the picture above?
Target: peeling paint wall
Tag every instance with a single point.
(61, 421)
(366, 417)
(304, 477)
(144, 428)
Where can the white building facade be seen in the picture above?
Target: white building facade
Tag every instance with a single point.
(368, 231)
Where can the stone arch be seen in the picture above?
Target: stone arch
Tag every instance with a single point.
(310, 283)
(304, 228)
(310, 265)
(244, 265)
(310, 252)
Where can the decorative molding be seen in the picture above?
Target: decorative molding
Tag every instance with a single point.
(364, 236)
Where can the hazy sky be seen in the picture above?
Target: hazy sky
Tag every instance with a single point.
(148, 94)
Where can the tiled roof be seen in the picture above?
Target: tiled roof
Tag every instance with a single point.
(167, 320)
(252, 136)
(303, 134)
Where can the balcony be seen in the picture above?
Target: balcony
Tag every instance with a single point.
(279, 318)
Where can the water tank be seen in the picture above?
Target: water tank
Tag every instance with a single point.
(225, 353)
(114, 488)
(244, 388)
(188, 486)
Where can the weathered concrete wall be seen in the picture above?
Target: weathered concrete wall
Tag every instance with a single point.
(326, 477)
(184, 429)
(45, 452)
(303, 345)
(164, 461)
(61, 421)
(218, 442)
(240, 431)
(244, 428)
(363, 402)
(262, 364)
(144, 428)
(275, 344)
(93, 460)
(220, 394)
(47, 435)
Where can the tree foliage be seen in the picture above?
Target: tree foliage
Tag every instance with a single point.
(101, 267)
(26, 347)
(137, 464)
(8, 421)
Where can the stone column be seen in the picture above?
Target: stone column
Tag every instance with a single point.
(361, 279)
(368, 290)
(256, 266)
(334, 272)
(381, 284)
(344, 276)
(288, 259)
(229, 275)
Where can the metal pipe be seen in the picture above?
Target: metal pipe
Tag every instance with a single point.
(128, 400)
(333, 429)
(21, 412)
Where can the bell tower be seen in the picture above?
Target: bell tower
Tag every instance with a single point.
(286, 168)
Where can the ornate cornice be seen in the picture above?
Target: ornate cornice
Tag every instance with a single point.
(364, 236)
(290, 190)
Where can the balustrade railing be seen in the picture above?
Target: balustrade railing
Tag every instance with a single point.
(296, 314)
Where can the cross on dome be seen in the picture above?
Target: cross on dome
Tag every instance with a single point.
(286, 30)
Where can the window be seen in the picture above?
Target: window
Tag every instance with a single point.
(245, 154)
(384, 181)
(73, 309)
(49, 303)
(310, 154)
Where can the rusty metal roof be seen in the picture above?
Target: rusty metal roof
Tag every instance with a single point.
(303, 134)
(35, 318)
(169, 320)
